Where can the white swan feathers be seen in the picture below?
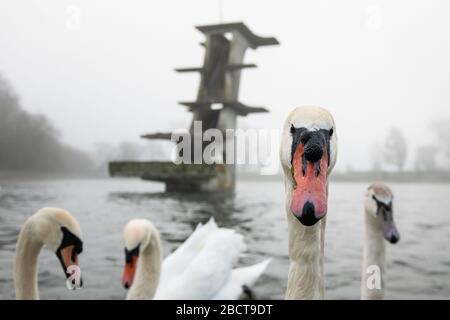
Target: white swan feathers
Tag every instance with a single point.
(201, 268)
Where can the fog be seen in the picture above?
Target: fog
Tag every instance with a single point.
(30, 143)
(374, 64)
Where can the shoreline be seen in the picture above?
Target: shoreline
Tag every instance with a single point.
(358, 176)
(365, 176)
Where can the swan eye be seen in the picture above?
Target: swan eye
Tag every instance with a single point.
(292, 129)
(376, 200)
(330, 133)
(129, 254)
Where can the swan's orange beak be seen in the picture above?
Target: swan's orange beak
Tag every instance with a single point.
(129, 271)
(69, 249)
(69, 256)
(309, 199)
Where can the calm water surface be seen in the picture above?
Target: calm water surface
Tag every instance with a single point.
(418, 266)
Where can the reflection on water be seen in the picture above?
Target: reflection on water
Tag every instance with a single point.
(418, 267)
(203, 205)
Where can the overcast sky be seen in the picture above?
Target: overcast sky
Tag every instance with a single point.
(373, 64)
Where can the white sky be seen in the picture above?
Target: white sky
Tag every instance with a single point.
(373, 64)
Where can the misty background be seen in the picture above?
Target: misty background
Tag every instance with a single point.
(81, 80)
(74, 96)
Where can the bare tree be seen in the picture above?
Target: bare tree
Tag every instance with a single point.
(128, 150)
(396, 148)
(104, 152)
(441, 129)
(376, 156)
(426, 158)
(154, 150)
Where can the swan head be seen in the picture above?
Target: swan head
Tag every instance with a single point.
(379, 204)
(308, 154)
(59, 231)
(137, 235)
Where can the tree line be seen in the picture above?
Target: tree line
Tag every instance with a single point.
(433, 156)
(30, 143)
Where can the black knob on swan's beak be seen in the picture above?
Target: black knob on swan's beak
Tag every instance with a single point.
(313, 151)
(394, 239)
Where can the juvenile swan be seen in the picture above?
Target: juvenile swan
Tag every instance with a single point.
(379, 221)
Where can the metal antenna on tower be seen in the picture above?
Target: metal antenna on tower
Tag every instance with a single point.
(220, 4)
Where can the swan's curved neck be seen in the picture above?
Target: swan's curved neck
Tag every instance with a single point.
(27, 254)
(306, 249)
(372, 278)
(148, 271)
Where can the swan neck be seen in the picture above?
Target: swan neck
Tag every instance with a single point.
(372, 284)
(148, 270)
(27, 254)
(306, 251)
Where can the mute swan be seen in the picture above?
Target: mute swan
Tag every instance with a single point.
(379, 221)
(58, 230)
(308, 154)
(201, 268)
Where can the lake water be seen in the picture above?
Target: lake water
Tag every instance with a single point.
(418, 266)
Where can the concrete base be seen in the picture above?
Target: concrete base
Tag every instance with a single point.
(178, 178)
